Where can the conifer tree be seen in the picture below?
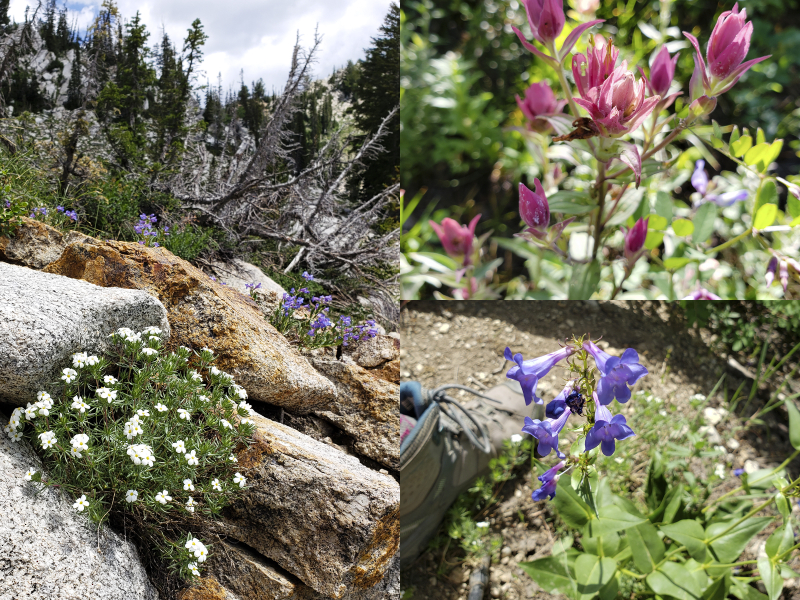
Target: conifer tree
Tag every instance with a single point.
(75, 87)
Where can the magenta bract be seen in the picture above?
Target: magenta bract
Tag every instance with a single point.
(592, 69)
(457, 239)
(662, 72)
(546, 18)
(533, 206)
(539, 100)
(634, 240)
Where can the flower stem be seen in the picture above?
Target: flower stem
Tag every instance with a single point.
(730, 242)
(673, 134)
(601, 201)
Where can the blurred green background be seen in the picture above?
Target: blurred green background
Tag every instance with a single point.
(462, 65)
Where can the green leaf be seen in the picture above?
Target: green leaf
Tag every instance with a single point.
(653, 239)
(682, 227)
(780, 541)
(765, 216)
(646, 547)
(794, 424)
(767, 194)
(656, 222)
(771, 577)
(586, 494)
(674, 504)
(760, 137)
(688, 533)
(718, 590)
(604, 545)
(592, 573)
(717, 130)
(584, 281)
(572, 510)
(674, 580)
(734, 134)
(783, 505)
(745, 592)
(676, 262)
(728, 547)
(792, 205)
(663, 206)
(609, 590)
(704, 222)
(552, 574)
(742, 145)
(612, 518)
(756, 154)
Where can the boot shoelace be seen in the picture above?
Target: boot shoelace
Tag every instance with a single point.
(449, 405)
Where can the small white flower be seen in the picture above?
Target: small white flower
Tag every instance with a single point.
(151, 331)
(43, 411)
(251, 412)
(161, 408)
(29, 474)
(154, 338)
(30, 411)
(132, 429)
(191, 458)
(79, 404)
(143, 413)
(203, 398)
(193, 544)
(17, 413)
(190, 504)
(69, 375)
(193, 568)
(149, 351)
(10, 427)
(44, 397)
(240, 479)
(214, 371)
(81, 503)
(482, 524)
(216, 485)
(141, 454)
(209, 350)
(719, 470)
(80, 442)
(92, 360)
(184, 414)
(179, 446)
(48, 439)
(188, 485)
(75, 452)
(109, 379)
(79, 360)
(240, 391)
(15, 436)
(106, 394)
(233, 458)
(247, 421)
(226, 424)
(195, 375)
(131, 496)
(201, 554)
(163, 497)
(516, 438)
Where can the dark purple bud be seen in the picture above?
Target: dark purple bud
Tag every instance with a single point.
(634, 240)
(533, 206)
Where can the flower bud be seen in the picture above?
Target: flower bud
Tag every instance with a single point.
(634, 240)
(771, 268)
(662, 72)
(546, 18)
(539, 100)
(457, 239)
(701, 107)
(533, 207)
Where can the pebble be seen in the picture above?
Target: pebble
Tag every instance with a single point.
(444, 327)
(495, 592)
(733, 444)
(714, 415)
(504, 560)
(750, 467)
(506, 551)
(711, 433)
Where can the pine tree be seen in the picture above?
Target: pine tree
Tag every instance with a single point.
(75, 87)
(5, 20)
(62, 36)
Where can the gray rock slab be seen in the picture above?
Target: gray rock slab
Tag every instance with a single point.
(45, 318)
(50, 552)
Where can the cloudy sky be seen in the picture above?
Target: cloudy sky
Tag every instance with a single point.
(254, 35)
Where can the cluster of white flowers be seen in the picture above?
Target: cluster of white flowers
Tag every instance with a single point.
(203, 398)
(81, 359)
(79, 443)
(129, 335)
(43, 405)
(48, 439)
(69, 375)
(190, 504)
(240, 391)
(141, 454)
(81, 503)
(106, 394)
(247, 421)
(215, 371)
(161, 408)
(133, 427)
(149, 351)
(13, 424)
(163, 497)
(79, 404)
(240, 479)
(196, 546)
(151, 331)
(195, 376)
(247, 407)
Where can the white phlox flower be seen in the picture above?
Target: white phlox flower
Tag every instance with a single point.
(30, 473)
(163, 497)
(195, 375)
(247, 407)
(190, 504)
(192, 566)
(149, 351)
(151, 331)
(203, 398)
(15, 436)
(226, 424)
(192, 544)
(161, 408)
(201, 554)
(16, 414)
(516, 438)
(191, 458)
(81, 503)
(209, 350)
(179, 446)
(48, 439)
(131, 496)
(80, 442)
(247, 421)
(109, 379)
(240, 391)
(79, 404)
(240, 479)
(92, 360)
(215, 485)
(129, 335)
(30, 411)
(214, 371)
(188, 485)
(141, 454)
(79, 360)
(106, 394)
(233, 458)
(143, 413)
(132, 429)
(184, 414)
(69, 375)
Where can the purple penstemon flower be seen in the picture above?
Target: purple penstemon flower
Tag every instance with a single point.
(529, 372)
(700, 183)
(606, 429)
(549, 481)
(617, 373)
(547, 432)
(558, 404)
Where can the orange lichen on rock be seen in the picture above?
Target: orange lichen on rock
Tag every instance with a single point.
(206, 588)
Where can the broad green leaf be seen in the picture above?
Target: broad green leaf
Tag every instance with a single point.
(584, 281)
(609, 590)
(765, 216)
(742, 145)
(780, 541)
(592, 573)
(760, 137)
(674, 580)
(676, 262)
(772, 154)
(794, 424)
(674, 504)
(612, 518)
(718, 590)
(664, 206)
(767, 194)
(717, 130)
(783, 505)
(656, 222)
(728, 547)
(646, 547)
(574, 511)
(653, 239)
(756, 154)
(688, 533)
(552, 574)
(604, 545)
(682, 227)
(792, 206)
(734, 134)
(744, 592)
(771, 577)
(704, 222)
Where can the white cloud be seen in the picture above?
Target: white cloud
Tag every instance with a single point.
(254, 35)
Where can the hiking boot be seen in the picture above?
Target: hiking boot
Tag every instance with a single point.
(450, 445)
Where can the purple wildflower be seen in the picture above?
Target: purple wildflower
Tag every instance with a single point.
(557, 405)
(528, 372)
(308, 276)
(549, 481)
(606, 429)
(616, 373)
(738, 472)
(700, 183)
(547, 432)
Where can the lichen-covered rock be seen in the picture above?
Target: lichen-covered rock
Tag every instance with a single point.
(375, 351)
(48, 550)
(366, 408)
(44, 318)
(389, 371)
(34, 244)
(203, 313)
(236, 273)
(317, 512)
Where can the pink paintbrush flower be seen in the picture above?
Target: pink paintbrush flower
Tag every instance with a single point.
(539, 100)
(457, 239)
